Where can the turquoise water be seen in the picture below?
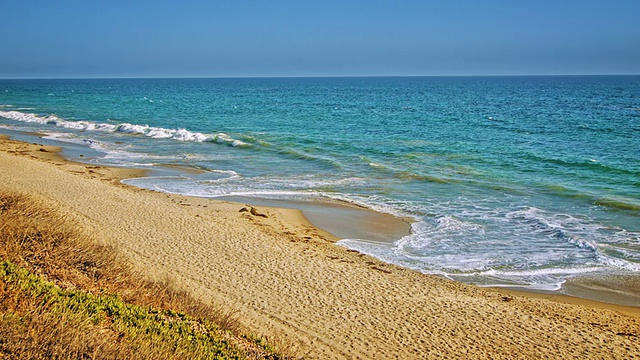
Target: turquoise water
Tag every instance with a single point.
(521, 181)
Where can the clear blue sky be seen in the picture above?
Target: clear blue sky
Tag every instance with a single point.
(68, 38)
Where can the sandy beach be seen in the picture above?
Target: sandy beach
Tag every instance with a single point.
(287, 279)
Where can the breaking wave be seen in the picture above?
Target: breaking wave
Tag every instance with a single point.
(124, 128)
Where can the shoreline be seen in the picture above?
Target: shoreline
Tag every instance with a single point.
(287, 278)
(337, 221)
(563, 298)
(340, 219)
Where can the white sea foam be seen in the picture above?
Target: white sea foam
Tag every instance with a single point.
(550, 247)
(189, 186)
(125, 128)
(549, 279)
(535, 272)
(619, 263)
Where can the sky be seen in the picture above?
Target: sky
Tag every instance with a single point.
(273, 38)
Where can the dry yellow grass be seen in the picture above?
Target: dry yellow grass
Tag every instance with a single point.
(63, 296)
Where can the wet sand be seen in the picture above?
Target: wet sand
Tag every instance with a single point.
(344, 221)
(287, 279)
(615, 289)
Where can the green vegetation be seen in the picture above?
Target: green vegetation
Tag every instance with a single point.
(62, 296)
(164, 333)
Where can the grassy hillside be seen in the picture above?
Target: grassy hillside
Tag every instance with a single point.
(62, 296)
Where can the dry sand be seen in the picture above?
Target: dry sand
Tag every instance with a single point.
(287, 279)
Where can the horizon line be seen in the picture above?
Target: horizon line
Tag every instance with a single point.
(297, 76)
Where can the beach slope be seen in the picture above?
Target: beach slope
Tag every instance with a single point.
(288, 280)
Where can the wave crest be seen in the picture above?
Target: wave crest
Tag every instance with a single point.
(125, 128)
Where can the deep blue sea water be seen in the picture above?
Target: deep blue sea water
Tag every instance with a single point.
(522, 181)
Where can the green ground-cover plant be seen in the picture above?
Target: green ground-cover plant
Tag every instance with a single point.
(146, 329)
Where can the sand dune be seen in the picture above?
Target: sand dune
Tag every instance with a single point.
(287, 279)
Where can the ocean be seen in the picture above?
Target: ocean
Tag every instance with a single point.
(510, 181)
